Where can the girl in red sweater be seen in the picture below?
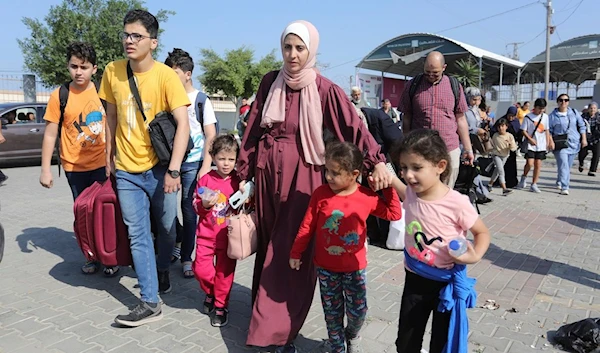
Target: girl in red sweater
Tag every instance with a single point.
(216, 276)
(336, 217)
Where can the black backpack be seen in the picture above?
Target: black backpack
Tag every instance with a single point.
(416, 81)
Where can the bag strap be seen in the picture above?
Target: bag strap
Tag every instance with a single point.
(63, 97)
(134, 90)
(537, 125)
(416, 81)
(455, 85)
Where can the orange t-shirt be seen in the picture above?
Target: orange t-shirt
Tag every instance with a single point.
(82, 137)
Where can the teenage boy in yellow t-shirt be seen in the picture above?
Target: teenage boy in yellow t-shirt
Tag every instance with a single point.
(82, 139)
(145, 188)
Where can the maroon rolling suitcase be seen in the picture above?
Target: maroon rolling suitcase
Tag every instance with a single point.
(99, 227)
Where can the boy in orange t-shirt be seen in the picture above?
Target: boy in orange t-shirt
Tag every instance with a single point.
(82, 139)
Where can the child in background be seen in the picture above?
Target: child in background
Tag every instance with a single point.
(503, 143)
(337, 216)
(435, 215)
(216, 276)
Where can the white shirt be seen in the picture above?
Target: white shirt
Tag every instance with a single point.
(196, 131)
(529, 123)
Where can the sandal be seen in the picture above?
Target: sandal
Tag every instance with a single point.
(176, 254)
(90, 267)
(111, 271)
(187, 270)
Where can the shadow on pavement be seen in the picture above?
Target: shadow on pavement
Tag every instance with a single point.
(63, 244)
(581, 223)
(529, 263)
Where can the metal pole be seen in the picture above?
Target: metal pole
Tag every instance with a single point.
(548, 28)
(501, 73)
(480, 68)
(518, 85)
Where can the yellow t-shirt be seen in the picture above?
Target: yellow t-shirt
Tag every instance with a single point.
(160, 90)
(521, 115)
(82, 139)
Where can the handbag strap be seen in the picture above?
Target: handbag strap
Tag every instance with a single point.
(134, 90)
(537, 125)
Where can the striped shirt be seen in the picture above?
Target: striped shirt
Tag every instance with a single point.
(432, 107)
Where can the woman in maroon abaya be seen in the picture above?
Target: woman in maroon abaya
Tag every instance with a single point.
(283, 150)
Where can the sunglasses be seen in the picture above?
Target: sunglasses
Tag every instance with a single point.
(561, 100)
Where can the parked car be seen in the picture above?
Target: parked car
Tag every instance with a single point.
(23, 127)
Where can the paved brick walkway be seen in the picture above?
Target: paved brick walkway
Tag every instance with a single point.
(543, 263)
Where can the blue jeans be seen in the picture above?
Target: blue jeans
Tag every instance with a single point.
(189, 172)
(141, 196)
(564, 161)
(79, 181)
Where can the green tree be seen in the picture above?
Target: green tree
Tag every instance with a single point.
(467, 72)
(98, 22)
(236, 74)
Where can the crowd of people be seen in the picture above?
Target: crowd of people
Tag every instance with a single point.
(321, 165)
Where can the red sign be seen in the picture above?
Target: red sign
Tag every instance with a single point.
(392, 90)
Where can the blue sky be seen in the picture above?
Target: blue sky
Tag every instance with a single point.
(349, 29)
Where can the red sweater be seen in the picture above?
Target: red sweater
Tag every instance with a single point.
(212, 225)
(339, 223)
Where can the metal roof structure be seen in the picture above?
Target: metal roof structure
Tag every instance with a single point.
(575, 60)
(404, 55)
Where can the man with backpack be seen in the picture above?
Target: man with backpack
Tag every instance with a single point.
(142, 93)
(433, 100)
(203, 130)
(76, 117)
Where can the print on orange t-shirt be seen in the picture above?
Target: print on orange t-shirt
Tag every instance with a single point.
(82, 137)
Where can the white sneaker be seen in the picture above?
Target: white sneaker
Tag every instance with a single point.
(522, 183)
(564, 192)
(534, 188)
(558, 185)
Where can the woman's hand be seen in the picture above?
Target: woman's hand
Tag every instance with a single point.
(295, 264)
(381, 177)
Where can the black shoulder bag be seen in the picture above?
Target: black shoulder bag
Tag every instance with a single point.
(162, 129)
(562, 140)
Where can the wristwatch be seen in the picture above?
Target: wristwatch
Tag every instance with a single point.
(173, 173)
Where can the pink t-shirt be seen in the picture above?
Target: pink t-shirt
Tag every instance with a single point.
(430, 225)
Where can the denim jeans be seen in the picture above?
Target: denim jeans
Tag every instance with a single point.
(189, 172)
(564, 161)
(141, 196)
(79, 181)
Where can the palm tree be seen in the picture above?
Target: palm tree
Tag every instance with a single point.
(467, 72)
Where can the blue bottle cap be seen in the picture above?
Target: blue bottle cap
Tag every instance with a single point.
(454, 245)
(201, 190)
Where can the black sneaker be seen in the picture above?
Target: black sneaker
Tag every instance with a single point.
(209, 304)
(507, 192)
(143, 313)
(219, 318)
(164, 285)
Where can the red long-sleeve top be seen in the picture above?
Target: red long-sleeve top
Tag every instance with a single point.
(339, 225)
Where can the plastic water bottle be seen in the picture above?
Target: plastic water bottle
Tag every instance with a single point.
(457, 246)
(206, 193)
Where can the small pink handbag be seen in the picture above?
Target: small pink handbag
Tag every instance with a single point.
(242, 235)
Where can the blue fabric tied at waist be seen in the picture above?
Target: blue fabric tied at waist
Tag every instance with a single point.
(268, 141)
(455, 298)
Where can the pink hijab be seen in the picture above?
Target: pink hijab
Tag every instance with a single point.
(311, 114)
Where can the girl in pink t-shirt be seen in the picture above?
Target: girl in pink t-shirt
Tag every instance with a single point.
(435, 214)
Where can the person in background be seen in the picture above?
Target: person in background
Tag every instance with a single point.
(386, 107)
(357, 99)
(565, 120)
(514, 128)
(490, 114)
(3, 176)
(503, 143)
(592, 117)
(198, 161)
(522, 111)
(474, 121)
(535, 130)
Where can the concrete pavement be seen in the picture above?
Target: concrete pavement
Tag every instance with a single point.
(542, 270)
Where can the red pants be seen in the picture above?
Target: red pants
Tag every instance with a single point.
(215, 271)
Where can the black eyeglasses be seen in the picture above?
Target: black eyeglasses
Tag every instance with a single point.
(560, 100)
(135, 37)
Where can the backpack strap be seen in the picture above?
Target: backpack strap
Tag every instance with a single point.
(414, 84)
(63, 97)
(134, 90)
(455, 85)
(199, 108)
